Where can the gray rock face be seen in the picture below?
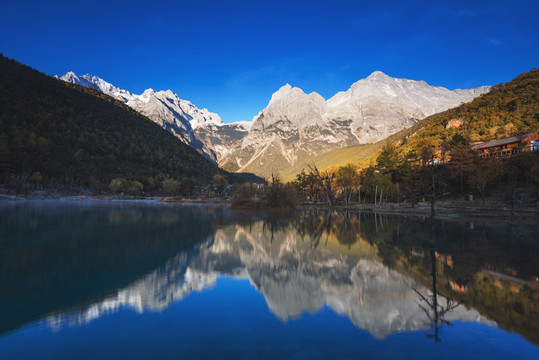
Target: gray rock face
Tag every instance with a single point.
(295, 125)
(221, 139)
(380, 104)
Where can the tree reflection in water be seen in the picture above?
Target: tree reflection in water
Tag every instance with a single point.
(372, 267)
(453, 258)
(429, 304)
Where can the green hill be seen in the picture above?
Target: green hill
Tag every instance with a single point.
(508, 109)
(362, 155)
(73, 135)
(335, 157)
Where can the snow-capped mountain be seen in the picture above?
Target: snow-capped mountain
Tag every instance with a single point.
(292, 276)
(295, 125)
(379, 104)
(180, 117)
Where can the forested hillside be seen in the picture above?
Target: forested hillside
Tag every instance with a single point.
(508, 109)
(53, 132)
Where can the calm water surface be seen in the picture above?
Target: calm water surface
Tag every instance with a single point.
(109, 280)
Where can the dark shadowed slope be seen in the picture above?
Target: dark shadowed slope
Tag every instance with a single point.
(70, 134)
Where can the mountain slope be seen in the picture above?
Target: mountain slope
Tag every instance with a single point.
(508, 109)
(295, 126)
(199, 128)
(76, 135)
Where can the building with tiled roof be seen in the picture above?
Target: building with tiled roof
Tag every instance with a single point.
(509, 146)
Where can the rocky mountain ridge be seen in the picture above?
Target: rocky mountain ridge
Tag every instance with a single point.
(295, 125)
(180, 117)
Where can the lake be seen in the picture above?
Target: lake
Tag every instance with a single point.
(148, 280)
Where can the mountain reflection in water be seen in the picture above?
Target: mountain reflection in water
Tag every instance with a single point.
(377, 270)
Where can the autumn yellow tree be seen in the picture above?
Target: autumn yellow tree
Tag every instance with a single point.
(347, 179)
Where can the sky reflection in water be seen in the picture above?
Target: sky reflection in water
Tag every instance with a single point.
(205, 283)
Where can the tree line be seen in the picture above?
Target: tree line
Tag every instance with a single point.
(398, 178)
(407, 179)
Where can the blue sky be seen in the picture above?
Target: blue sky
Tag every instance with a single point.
(230, 56)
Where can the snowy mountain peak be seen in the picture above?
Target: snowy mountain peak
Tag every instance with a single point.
(70, 75)
(377, 75)
(148, 92)
(91, 81)
(179, 117)
(417, 98)
(74, 79)
(169, 93)
(283, 90)
(286, 94)
(280, 94)
(101, 84)
(295, 126)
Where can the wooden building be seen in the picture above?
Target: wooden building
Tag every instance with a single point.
(509, 146)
